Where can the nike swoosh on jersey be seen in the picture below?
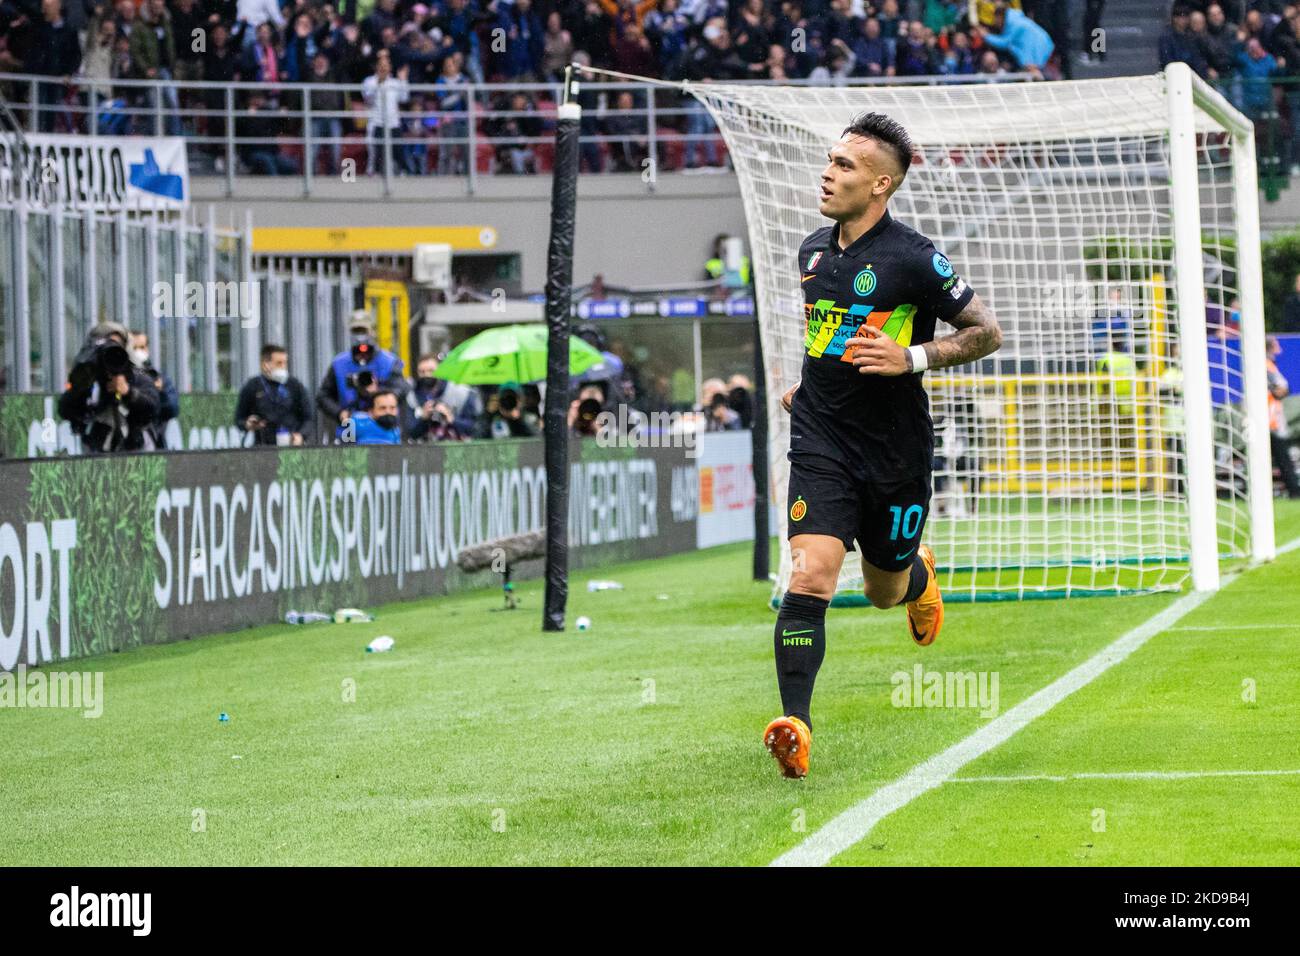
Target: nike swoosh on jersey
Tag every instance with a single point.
(900, 557)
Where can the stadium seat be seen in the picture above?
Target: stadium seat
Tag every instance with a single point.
(354, 148)
(545, 153)
(672, 149)
(291, 149)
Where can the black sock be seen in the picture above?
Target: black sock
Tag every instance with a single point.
(917, 582)
(800, 647)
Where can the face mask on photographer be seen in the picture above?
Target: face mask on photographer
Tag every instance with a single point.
(386, 421)
(140, 357)
(278, 375)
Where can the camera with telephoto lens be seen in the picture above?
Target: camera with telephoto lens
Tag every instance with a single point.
(100, 361)
(508, 400)
(588, 409)
(360, 381)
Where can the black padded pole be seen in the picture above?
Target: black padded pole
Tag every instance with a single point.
(559, 300)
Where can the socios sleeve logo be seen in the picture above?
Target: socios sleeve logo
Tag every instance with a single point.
(942, 265)
(864, 282)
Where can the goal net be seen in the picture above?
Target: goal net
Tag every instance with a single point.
(1117, 443)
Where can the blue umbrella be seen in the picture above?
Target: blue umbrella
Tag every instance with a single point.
(610, 366)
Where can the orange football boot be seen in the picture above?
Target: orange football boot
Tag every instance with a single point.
(789, 740)
(925, 614)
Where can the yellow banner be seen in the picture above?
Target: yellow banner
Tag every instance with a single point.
(397, 239)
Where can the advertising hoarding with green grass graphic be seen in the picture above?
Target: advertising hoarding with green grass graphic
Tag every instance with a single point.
(106, 554)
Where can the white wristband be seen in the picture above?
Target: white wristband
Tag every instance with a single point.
(920, 361)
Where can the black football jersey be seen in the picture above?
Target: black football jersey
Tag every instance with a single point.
(893, 279)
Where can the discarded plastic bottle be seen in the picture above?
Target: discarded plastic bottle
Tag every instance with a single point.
(351, 615)
(306, 617)
(604, 586)
(380, 644)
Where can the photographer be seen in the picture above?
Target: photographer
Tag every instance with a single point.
(504, 416)
(169, 403)
(619, 386)
(740, 398)
(110, 403)
(440, 410)
(719, 416)
(357, 375)
(273, 405)
(585, 409)
(379, 426)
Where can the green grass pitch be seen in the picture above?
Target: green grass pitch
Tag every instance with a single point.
(481, 740)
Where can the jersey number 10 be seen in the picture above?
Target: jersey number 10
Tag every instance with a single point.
(911, 521)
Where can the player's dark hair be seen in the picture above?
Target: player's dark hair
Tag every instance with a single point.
(270, 349)
(889, 134)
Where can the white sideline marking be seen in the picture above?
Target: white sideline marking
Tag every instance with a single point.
(1130, 775)
(853, 824)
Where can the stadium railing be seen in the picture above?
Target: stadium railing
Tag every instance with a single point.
(664, 129)
(66, 267)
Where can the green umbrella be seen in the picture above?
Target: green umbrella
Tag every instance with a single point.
(510, 353)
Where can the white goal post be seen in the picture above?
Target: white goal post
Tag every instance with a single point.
(1118, 442)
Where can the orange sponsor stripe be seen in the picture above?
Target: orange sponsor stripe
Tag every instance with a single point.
(876, 320)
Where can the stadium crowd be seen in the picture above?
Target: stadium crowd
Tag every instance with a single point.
(1250, 50)
(385, 47)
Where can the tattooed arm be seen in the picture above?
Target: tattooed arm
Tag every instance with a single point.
(977, 335)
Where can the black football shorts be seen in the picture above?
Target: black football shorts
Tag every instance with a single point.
(886, 518)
